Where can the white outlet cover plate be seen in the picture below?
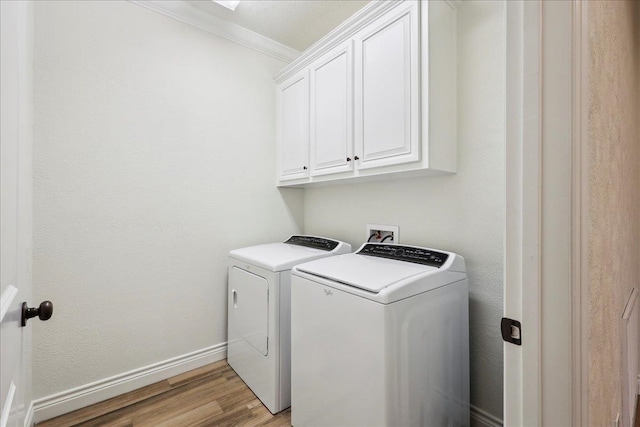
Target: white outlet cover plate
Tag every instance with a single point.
(379, 227)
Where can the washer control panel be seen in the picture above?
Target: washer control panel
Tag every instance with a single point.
(313, 242)
(406, 253)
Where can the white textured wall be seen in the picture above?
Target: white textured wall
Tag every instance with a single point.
(153, 157)
(463, 213)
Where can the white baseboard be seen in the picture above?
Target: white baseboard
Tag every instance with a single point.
(79, 397)
(481, 418)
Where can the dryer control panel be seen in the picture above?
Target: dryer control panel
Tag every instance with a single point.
(313, 242)
(406, 253)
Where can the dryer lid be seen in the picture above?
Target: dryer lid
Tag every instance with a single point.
(365, 272)
(283, 256)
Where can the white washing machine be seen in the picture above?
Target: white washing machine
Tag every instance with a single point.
(380, 337)
(259, 332)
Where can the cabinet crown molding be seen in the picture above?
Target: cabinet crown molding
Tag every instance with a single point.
(341, 33)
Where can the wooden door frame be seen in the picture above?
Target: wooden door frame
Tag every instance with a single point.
(546, 50)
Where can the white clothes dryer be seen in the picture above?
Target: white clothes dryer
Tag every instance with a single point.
(380, 337)
(259, 331)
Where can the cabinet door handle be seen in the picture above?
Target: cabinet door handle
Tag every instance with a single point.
(304, 168)
(356, 158)
(348, 159)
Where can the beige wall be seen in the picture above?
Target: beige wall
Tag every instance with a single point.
(614, 206)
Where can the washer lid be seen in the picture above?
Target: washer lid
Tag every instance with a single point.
(365, 272)
(283, 256)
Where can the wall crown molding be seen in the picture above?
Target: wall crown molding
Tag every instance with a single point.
(188, 14)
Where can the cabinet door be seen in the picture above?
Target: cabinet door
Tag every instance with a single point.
(293, 127)
(387, 89)
(331, 79)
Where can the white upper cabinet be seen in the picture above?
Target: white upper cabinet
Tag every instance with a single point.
(387, 96)
(376, 96)
(331, 79)
(293, 127)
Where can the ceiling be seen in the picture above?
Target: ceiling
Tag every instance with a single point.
(294, 23)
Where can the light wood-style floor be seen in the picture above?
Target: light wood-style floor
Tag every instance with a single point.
(210, 396)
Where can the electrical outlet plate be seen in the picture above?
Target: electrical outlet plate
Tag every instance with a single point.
(388, 233)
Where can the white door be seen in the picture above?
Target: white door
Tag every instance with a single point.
(331, 79)
(387, 89)
(15, 206)
(293, 127)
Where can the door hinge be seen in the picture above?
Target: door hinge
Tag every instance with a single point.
(511, 331)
